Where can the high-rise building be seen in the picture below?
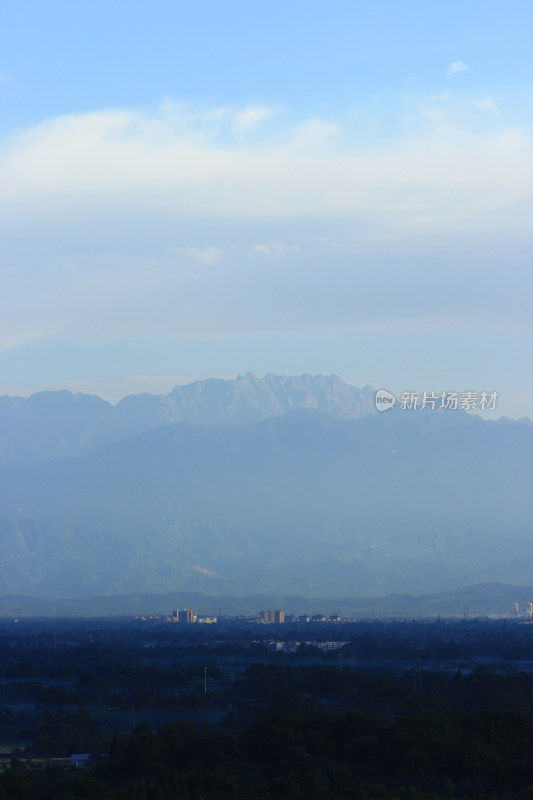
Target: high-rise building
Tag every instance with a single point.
(183, 615)
(272, 616)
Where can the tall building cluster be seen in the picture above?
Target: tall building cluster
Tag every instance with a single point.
(183, 615)
(272, 616)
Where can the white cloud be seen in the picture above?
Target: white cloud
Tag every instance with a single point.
(212, 255)
(142, 166)
(486, 104)
(89, 202)
(251, 117)
(456, 67)
(10, 340)
(273, 249)
(205, 255)
(433, 113)
(5, 77)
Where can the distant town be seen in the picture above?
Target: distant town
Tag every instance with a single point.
(186, 616)
(265, 617)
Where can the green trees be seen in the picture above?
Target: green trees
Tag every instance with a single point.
(60, 735)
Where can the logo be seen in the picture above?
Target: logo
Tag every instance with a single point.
(384, 400)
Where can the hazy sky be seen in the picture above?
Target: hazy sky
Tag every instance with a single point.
(193, 190)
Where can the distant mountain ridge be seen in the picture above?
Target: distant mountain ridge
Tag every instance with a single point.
(301, 503)
(53, 425)
(280, 484)
(484, 599)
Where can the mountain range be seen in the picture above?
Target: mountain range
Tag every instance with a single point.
(278, 485)
(480, 600)
(51, 425)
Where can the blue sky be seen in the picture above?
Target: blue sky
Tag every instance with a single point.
(211, 189)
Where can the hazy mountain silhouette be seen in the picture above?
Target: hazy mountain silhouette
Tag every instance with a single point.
(483, 599)
(300, 503)
(52, 425)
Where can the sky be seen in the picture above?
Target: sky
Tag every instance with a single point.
(209, 189)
